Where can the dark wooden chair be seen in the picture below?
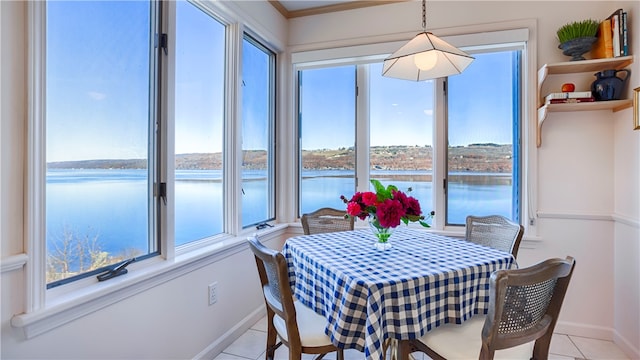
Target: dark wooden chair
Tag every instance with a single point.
(326, 220)
(300, 328)
(495, 231)
(523, 309)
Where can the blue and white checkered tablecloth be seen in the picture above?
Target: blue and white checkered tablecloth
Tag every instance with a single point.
(369, 295)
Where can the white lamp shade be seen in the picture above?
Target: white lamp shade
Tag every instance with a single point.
(449, 59)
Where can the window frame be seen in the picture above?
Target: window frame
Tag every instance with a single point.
(155, 113)
(271, 148)
(228, 112)
(472, 39)
(357, 124)
(46, 309)
(518, 115)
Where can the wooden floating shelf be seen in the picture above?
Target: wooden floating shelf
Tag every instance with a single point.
(573, 67)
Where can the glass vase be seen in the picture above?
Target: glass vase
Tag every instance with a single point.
(382, 234)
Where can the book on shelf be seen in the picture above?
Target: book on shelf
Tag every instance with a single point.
(625, 35)
(617, 32)
(570, 101)
(568, 95)
(603, 47)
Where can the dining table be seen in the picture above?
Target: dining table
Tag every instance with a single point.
(371, 296)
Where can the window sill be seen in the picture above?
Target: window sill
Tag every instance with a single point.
(68, 304)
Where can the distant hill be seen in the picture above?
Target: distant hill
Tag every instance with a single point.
(100, 164)
(472, 158)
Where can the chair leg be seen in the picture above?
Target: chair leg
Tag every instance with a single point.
(272, 336)
(340, 354)
(294, 353)
(404, 349)
(541, 347)
(486, 353)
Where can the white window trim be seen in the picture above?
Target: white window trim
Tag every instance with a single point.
(35, 223)
(87, 299)
(467, 37)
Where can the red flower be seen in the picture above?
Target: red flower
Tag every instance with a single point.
(400, 196)
(357, 197)
(354, 209)
(389, 213)
(412, 206)
(369, 198)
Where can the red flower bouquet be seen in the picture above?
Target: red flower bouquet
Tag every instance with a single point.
(385, 208)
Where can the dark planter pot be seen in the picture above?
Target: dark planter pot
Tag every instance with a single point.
(577, 47)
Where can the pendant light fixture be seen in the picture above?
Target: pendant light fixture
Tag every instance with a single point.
(425, 57)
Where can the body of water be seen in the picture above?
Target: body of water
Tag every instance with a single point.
(113, 205)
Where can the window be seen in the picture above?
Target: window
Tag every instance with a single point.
(483, 136)
(258, 117)
(327, 116)
(139, 132)
(402, 125)
(99, 155)
(199, 124)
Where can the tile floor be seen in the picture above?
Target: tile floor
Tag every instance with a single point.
(251, 345)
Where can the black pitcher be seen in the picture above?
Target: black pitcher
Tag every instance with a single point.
(608, 86)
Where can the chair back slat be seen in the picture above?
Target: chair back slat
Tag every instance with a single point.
(326, 220)
(525, 306)
(273, 286)
(274, 277)
(494, 231)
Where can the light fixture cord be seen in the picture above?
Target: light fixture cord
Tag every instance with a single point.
(424, 15)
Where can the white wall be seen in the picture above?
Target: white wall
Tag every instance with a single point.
(587, 177)
(627, 210)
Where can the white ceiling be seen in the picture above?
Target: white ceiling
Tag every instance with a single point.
(295, 5)
(298, 8)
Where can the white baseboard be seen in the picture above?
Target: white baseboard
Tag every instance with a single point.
(584, 330)
(626, 346)
(598, 332)
(221, 343)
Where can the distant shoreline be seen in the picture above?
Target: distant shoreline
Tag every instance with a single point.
(490, 158)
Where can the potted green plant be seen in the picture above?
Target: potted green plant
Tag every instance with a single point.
(576, 38)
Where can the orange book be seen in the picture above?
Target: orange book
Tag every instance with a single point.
(603, 47)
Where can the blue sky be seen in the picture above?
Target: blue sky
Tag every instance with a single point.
(98, 105)
(199, 81)
(91, 111)
(402, 112)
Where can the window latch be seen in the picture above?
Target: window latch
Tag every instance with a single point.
(164, 43)
(163, 193)
(263, 225)
(116, 271)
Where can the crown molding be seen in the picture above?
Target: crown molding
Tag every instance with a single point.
(329, 8)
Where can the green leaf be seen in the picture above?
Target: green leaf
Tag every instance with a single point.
(377, 185)
(424, 224)
(382, 192)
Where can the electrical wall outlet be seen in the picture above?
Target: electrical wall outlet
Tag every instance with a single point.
(213, 293)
